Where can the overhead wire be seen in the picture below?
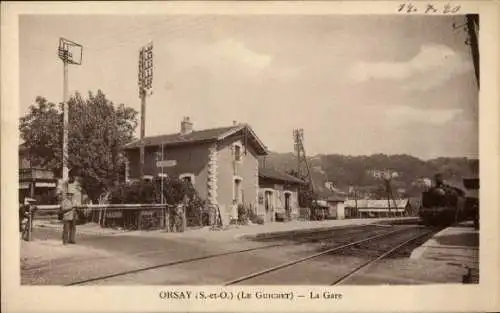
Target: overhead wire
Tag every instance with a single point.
(121, 43)
(170, 31)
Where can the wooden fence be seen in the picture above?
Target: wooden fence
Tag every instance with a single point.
(125, 216)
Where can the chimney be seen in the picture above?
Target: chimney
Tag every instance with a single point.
(186, 126)
(235, 123)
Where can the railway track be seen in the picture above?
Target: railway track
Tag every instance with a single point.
(376, 247)
(341, 233)
(366, 265)
(338, 237)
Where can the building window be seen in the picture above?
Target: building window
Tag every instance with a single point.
(237, 152)
(187, 178)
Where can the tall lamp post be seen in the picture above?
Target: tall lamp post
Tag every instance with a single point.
(145, 81)
(70, 53)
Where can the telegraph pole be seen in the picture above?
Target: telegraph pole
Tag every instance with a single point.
(70, 53)
(145, 82)
(303, 171)
(471, 27)
(143, 121)
(65, 172)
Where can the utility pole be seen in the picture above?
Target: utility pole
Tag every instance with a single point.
(388, 176)
(471, 27)
(145, 82)
(162, 158)
(70, 53)
(356, 201)
(303, 170)
(65, 172)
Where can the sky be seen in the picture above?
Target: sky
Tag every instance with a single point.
(357, 84)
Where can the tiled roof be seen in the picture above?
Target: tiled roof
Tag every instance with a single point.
(199, 136)
(330, 196)
(270, 173)
(178, 138)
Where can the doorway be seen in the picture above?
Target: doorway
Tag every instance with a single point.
(237, 190)
(237, 198)
(288, 205)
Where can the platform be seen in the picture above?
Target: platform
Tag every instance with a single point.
(232, 232)
(456, 246)
(254, 231)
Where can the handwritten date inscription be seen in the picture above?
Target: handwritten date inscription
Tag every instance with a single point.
(428, 8)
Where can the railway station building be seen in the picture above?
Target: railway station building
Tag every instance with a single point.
(222, 165)
(278, 195)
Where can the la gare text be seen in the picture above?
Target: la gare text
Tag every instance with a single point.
(245, 295)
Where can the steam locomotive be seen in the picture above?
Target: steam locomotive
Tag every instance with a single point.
(446, 204)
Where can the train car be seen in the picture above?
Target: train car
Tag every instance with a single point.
(442, 205)
(472, 200)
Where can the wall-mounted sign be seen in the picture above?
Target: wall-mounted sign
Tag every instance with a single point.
(166, 163)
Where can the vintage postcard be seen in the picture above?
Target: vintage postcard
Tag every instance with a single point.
(250, 156)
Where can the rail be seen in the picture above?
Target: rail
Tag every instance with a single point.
(368, 264)
(359, 229)
(293, 262)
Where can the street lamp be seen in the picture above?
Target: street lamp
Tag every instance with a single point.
(70, 53)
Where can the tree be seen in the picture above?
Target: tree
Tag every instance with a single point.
(305, 194)
(97, 131)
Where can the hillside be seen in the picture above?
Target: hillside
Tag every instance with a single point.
(360, 171)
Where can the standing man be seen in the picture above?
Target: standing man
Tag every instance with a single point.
(69, 219)
(26, 213)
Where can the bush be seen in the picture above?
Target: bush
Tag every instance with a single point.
(149, 192)
(242, 214)
(254, 218)
(139, 192)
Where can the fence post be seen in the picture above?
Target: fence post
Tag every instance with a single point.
(184, 218)
(139, 219)
(30, 224)
(104, 217)
(167, 218)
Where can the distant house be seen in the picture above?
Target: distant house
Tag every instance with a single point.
(330, 205)
(278, 194)
(378, 208)
(34, 181)
(39, 183)
(221, 163)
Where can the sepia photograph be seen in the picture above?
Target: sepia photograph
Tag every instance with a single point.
(242, 149)
(229, 158)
